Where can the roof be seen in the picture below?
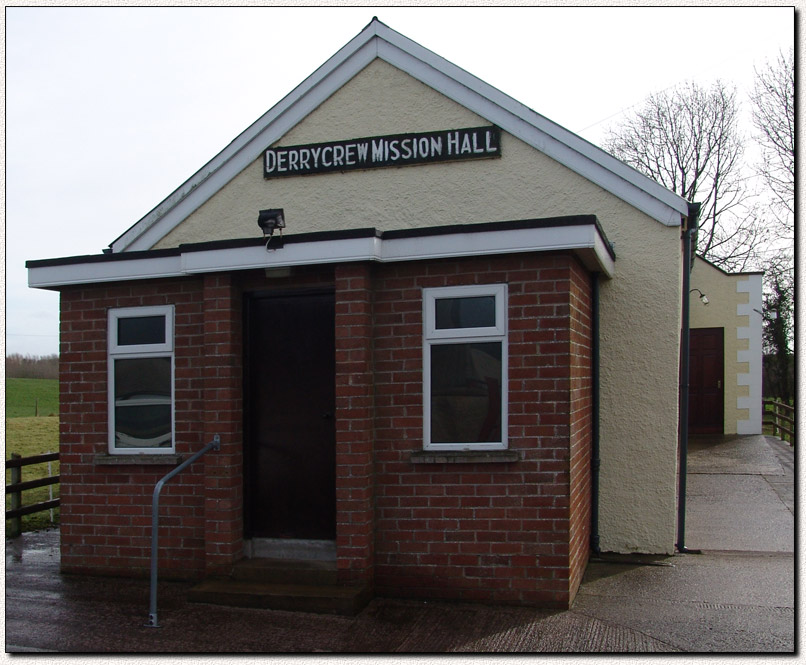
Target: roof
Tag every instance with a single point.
(727, 272)
(580, 234)
(377, 40)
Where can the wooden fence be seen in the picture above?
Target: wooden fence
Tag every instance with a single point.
(16, 487)
(782, 419)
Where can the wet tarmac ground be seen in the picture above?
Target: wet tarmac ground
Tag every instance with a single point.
(737, 596)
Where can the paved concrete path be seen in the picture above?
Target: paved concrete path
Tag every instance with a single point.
(740, 495)
(734, 597)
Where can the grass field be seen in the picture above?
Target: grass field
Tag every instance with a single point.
(27, 435)
(31, 397)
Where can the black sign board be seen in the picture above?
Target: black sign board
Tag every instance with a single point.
(381, 151)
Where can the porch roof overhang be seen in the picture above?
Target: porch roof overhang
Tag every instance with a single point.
(580, 234)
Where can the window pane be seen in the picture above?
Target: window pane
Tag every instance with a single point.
(141, 330)
(466, 393)
(475, 312)
(143, 402)
(143, 426)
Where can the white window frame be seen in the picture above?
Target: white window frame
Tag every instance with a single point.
(130, 351)
(433, 336)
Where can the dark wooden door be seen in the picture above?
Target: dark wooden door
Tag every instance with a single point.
(289, 462)
(707, 381)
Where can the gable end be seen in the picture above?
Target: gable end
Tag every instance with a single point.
(379, 41)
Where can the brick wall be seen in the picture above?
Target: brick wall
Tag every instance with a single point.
(223, 415)
(581, 340)
(496, 532)
(354, 423)
(106, 509)
(512, 532)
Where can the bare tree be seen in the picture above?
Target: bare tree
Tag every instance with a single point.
(19, 366)
(773, 100)
(688, 140)
(778, 334)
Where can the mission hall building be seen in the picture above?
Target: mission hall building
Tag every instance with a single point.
(437, 335)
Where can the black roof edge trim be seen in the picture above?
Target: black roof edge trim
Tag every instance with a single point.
(482, 227)
(725, 272)
(312, 236)
(104, 258)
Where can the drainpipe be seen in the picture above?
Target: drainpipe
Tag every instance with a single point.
(595, 459)
(688, 236)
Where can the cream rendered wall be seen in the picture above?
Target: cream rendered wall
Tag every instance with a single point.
(735, 305)
(640, 312)
(639, 357)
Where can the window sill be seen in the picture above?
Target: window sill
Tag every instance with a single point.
(140, 459)
(465, 456)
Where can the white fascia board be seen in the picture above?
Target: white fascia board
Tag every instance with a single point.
(92, 272)
(455, 245)
(248, 146)
(601, 256)
(585, 240)
(292, 254)
(542, 134)
(419, 54)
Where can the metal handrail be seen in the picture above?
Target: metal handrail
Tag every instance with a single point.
(215, 444)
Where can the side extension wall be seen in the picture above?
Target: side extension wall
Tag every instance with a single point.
(513, 532)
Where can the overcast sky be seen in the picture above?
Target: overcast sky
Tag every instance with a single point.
(108, 110)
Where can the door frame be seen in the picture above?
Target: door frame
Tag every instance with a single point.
(256, 546)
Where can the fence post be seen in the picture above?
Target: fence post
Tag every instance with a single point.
(15, 526)
(777, 431)
(50, 490)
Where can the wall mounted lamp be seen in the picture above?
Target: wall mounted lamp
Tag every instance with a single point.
(703, 297)
(270, 220)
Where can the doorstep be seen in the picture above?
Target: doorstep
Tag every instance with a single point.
(283, 584)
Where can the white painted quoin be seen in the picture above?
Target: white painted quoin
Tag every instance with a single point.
(735, 305)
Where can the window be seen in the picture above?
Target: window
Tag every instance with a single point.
(141, 385)
(465, 368)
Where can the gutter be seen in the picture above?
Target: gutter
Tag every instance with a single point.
(688, 237)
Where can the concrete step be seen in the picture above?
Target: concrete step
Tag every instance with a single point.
(283, 584)
(323, 599)
(285, 571)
